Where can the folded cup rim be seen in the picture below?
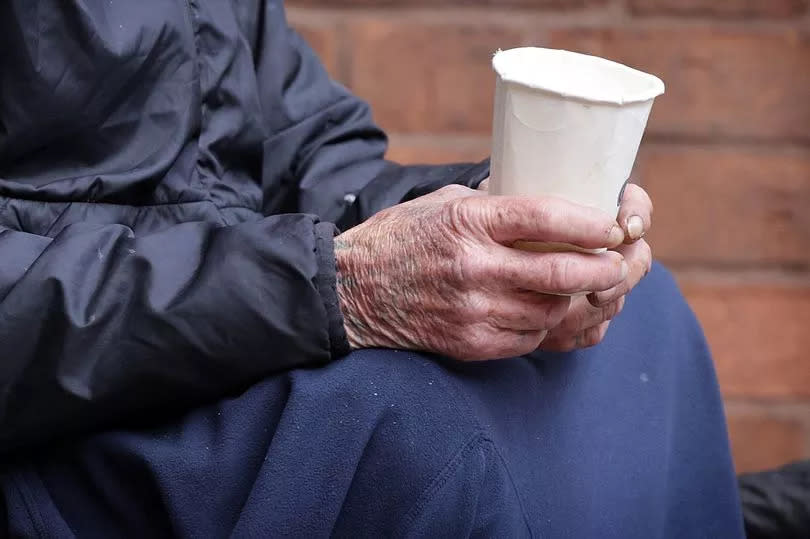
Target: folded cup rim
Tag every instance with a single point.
(503, 62)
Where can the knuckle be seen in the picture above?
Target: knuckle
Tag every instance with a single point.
(478, 342)
(457, 214)
(545, 212)
(560, 274)
(504, 214)
(555, 308)
(453, 189)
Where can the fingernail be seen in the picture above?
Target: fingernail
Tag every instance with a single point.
(598, 299)
(635, 227)
(625, 269)
(616, 235)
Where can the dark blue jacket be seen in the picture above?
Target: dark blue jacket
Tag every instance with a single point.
(171, 174)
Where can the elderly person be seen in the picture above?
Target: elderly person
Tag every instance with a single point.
(191, 348)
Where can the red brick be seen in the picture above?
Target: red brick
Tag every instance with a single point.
(733, 8)
(759, 335)
(564, 4)
(761, 443)
(427, 78)
(728, 205)
(720, 81)
(436, 151)
(324, 41)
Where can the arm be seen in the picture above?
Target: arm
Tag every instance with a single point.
(97, 326)
(325, 154)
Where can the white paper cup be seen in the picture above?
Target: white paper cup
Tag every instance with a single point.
(567, 125)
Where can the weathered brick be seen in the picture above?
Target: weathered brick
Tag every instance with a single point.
(427, 78)
(728, 205)
(324, 41)
(720, 81)
(556, 4)
(435, 150)
(730, 8)
(759, 335)
(762, 443)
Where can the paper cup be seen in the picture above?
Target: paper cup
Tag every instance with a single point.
(567, 125)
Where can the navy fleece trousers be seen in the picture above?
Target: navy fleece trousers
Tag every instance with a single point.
(624, 440)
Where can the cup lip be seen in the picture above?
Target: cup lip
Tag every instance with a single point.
(656, 85)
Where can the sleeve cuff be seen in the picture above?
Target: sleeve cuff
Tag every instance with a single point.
(473, 176)
(326, 281)
(436, 177)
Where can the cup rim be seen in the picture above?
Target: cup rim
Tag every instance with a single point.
(655, 86)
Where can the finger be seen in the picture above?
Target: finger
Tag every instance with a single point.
(543, 219)
(551, 273)
(528, 311)
(639, 260)
(635, 213)
(586, 339)
(595, 335)
(583, 316)
(526, 342)
(496, 343)
(484, 185)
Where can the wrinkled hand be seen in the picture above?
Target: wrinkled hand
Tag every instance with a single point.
(437, 273)
(587, 321)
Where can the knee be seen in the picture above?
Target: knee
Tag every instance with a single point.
(388, 385)
(658, 300)
(657, 318)
(379, 413)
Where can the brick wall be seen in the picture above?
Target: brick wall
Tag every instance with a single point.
(726, 157)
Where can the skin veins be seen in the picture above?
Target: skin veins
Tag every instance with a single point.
(440, 288)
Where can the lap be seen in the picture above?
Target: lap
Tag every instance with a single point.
(625, 436)
(628, 435)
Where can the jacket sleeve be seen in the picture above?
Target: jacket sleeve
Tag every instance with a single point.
(98, 326)
(325, 154)
(776, 503)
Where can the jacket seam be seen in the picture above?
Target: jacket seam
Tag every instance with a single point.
(326, 284)
(190, 9)
(6, 200)
(487, 436)
(440, 480)
(514, 488)
(30, 506)
(58, 217)
(306, 118)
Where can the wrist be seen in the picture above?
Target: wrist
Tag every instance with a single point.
(346, 292)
